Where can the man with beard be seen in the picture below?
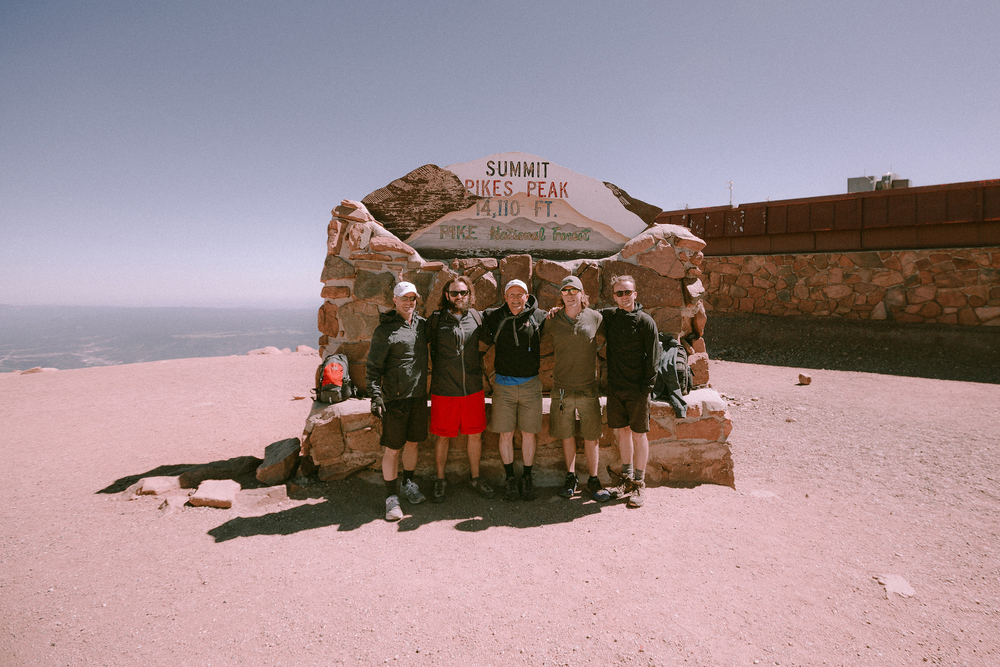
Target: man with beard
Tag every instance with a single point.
(397, 383)
(515, 329)
(457, 398)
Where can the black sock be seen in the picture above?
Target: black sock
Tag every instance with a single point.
(390, 487)
(527, 471)
(408, 475)
(509, 469)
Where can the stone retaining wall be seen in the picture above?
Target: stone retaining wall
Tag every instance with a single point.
(344, 438)
(948, 286)
(364, 261)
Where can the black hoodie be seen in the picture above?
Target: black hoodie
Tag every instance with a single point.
(518, 350)
(633, 350)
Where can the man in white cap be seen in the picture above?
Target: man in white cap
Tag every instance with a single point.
(515, 328)
(397, 383)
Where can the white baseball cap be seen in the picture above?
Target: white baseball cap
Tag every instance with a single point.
(516, 283)
(402, 289)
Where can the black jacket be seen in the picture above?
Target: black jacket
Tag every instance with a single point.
(397, 358)
(516, 337)
(455, 353)
(633, 350)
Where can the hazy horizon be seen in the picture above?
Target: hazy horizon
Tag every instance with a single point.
(67, 337)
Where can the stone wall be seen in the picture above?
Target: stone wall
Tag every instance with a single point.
(344, 438)
(948, 286)
(364, 261)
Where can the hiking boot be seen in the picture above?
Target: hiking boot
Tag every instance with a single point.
(569, 486)
(439, 488)
(597, 490)
(393, 512)
(409, 490)
(638, 496)
(482, 488)
(624, 487)
(510, 492)
(527, 488)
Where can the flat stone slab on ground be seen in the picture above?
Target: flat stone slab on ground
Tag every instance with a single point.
(894, 583)
(219, 493)
(158, 486)
(268, 495)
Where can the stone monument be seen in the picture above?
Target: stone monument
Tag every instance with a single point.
(505, 216)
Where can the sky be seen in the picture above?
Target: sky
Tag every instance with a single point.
(189, 153)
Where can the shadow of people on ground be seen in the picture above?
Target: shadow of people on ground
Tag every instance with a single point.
(352, 503)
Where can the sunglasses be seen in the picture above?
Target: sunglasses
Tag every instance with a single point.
(457, 292)
(624, 292)
(570, 290)
(408, 298)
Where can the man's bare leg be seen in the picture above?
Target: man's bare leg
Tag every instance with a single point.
(507, 448)
(441, 448)
(640, 445)
(527, 448)
(475, 449)
(625, 444)
(592, 449)
(569, 453)
(390, 464)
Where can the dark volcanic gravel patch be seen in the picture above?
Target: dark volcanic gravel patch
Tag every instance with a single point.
(940, 351)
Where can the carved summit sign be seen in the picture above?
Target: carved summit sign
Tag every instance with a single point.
(508, 203)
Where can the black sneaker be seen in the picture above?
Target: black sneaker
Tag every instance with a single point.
(409, 490)
(527, 488)
(482, 488)
(510, 490)
(597, 490)
(569, 486)
(440, 486)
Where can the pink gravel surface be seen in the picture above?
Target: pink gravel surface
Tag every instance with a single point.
(854, 476)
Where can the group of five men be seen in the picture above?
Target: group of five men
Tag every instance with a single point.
(397, 367)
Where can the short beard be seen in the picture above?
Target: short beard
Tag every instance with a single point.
(459, 310)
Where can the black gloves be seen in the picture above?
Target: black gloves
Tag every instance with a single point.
(378, 407)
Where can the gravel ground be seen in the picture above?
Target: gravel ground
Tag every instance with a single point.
(853, 477)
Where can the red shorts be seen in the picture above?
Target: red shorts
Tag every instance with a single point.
(451, 415)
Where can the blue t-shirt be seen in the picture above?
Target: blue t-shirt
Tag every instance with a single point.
(511, 380)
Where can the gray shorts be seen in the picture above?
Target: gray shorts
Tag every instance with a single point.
(566, 404)
(517, 407)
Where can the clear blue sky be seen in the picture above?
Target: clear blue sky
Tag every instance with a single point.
(189, 153)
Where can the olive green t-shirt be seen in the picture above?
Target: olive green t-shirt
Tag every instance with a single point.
(575, 344)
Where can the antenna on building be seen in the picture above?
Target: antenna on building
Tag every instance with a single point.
(729, 184)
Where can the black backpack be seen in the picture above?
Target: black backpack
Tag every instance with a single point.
(673, 376)
(333, 380)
